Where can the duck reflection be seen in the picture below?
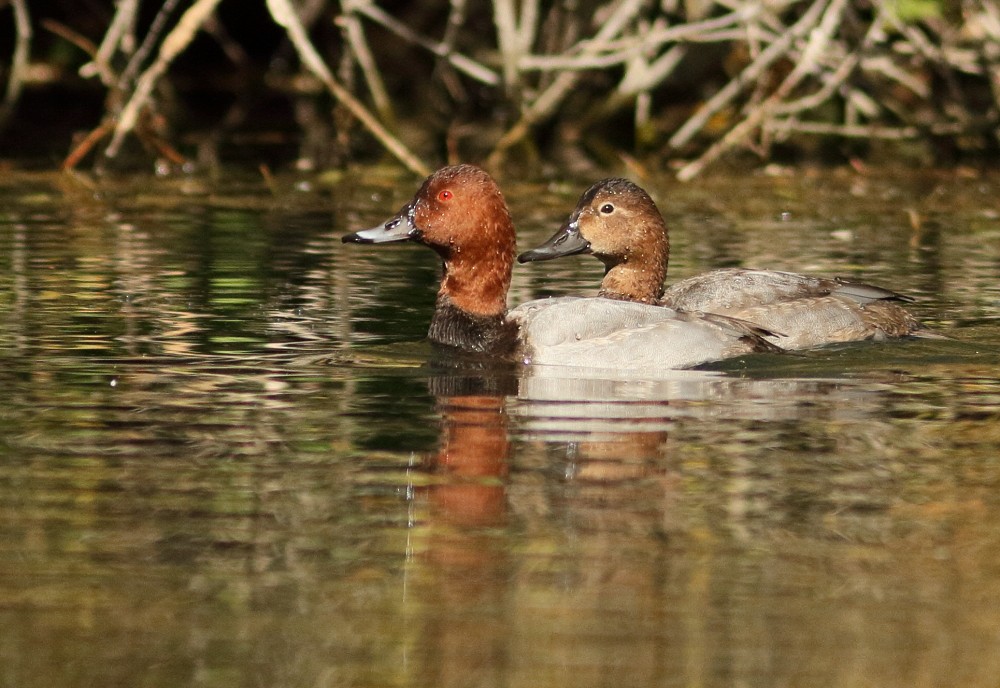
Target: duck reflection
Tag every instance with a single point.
(472, 461)
(459, 564)
(469, 585)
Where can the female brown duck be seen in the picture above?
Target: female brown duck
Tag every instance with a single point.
(617, 221)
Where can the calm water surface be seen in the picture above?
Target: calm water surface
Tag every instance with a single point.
(227, 458)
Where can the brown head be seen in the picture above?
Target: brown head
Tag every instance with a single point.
(461, 214)
(616, 221)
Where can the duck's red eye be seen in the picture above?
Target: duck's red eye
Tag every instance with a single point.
(445, 195)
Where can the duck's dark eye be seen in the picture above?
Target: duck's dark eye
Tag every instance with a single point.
(607, 209)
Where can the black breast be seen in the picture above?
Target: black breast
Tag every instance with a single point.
(482, 334)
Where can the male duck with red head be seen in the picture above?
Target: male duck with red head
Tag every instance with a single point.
(460, 213)
(617, 222)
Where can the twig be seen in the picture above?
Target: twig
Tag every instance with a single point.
(459, 62)
(175, 42)
(284, 15)
(861, 131)
(71, 36)
(355, 34)
(81, 150)
(503, 18)
(641, 76)
(611, 53)
(456, 17)
(101, 63)
(817, 42)
(725, 95)
(19, 60)
(148, 41)
(554, 94)
(882, 64)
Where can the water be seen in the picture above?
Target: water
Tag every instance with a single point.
(226, 461)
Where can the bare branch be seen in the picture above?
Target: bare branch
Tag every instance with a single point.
(19, 60)
(459, 62)
(175, 42)
(355, 34)
(729, 92)
(551, 97)
(284, 15)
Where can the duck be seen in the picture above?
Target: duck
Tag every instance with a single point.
(460, 213)
(617, 221)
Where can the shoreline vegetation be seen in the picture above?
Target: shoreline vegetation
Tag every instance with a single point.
(682, 83)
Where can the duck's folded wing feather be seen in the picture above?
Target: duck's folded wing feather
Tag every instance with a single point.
(732, 289)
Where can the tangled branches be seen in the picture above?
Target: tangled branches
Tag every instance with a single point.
(696, 79)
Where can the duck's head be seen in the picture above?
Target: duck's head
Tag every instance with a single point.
(461, 214)
(616, 221)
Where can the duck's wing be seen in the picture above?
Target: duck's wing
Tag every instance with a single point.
(733, 289)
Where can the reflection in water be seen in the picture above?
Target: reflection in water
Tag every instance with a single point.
(224, 461)
(455, 582)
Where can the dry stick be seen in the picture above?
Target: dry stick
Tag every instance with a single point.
(861, 131)
(456, 17)
(19, 60)
(883, 64)
(582, 63)
(515, 37)
(284, 15)
(557, 91)
(642, 76)
(175, 42)
(460, 62)
(814, 100)
(81, 150)
(101, 64)
(805, 64)
(728, 92)
(621, 51)
(639, 79)
(369, 68)
(70, 36)
(443, 70)
(503, 17)
(527, 26)
(839, 77)
(146, 47)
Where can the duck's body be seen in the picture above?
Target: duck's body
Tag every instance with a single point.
(618, 222)
(460, 213)
(608, 333)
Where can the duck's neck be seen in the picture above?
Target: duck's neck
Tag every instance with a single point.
(471, 309)
(477, 285)
(638, 275)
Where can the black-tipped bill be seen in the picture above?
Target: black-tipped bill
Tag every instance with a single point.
(566, 242)
(399, 228)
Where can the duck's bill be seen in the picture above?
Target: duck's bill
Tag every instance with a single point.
(566, 242)
(399, 228)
